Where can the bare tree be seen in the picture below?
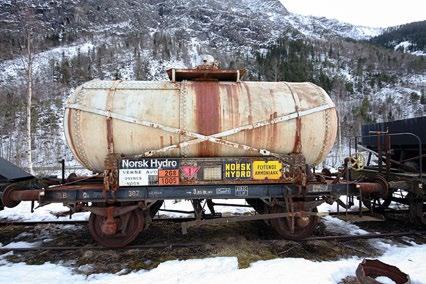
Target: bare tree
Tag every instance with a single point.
(29, 72)
(28, 28)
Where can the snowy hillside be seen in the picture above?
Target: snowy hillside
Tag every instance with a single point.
(76, 41)
(323, 28)
(408, 38)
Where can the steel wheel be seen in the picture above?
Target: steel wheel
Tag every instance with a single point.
(303, 226)
(129, 226)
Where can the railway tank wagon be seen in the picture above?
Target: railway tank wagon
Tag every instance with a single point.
(154, 118)
(202, 135)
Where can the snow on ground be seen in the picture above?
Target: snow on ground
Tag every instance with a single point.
(311, 26)
(21, 244)
(419, 53)
(185, 205)
(325, 207)
(336, 225)
(211, 270)
(409, 259)
(224, 270)
(406, 46)
(22, 212)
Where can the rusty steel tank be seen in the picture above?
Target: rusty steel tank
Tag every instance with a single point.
(200, 112)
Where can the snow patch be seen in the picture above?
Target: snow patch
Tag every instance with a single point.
(224, 270)
(21, 244)
(10, 69)
(320, 28)
(404, 45)
(409, 47)
(185, 205)
(22, 212)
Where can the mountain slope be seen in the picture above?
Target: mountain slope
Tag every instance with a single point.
(242, 22)
(406, 38)
(76, 41)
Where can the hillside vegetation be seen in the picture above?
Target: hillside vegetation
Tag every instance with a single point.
(76, 41)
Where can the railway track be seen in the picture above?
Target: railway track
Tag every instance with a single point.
(421, 234)
(80, 222)
(176, 219)
(338, 238)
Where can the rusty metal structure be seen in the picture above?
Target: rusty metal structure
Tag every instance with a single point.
(402, 178)
(203, 135)
(369, 269)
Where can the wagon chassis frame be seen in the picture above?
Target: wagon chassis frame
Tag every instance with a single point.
(288, 200)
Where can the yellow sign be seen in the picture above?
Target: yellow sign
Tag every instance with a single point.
(267, 169)
(237, 170)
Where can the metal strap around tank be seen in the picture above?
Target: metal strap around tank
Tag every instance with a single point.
(182, 111)
(297, 148)
(78, 139)
(215, 138)
(109, 126)
(326, 123)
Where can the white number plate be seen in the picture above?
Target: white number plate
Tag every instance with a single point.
(137, 177)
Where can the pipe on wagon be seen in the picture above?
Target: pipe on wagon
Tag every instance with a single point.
(368, 188)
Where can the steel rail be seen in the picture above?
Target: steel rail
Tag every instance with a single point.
(388, 214)
(365, 236)
(96, 247)
(185, 219)
(83, 222)
(200, 244)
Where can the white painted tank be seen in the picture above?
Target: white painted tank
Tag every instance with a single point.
(136, 117)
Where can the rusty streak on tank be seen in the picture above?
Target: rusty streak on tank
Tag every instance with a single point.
(297, 142)
(110, 136)
(249, 133)
(207, 114)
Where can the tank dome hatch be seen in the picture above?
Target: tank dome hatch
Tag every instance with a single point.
(208, 71)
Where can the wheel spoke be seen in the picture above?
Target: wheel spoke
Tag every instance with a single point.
(293, 228)
(129, 227)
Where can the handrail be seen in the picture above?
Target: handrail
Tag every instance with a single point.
(419, 140)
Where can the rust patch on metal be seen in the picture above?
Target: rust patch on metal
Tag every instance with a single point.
(208, 115)
(272, 131)
(369, 269)
(232, 96)
(109, 106)
(297, 148)
(109, 225)
(368, 188)
(297, 141)
(249, 134)
(205, 73)
(110, 138)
